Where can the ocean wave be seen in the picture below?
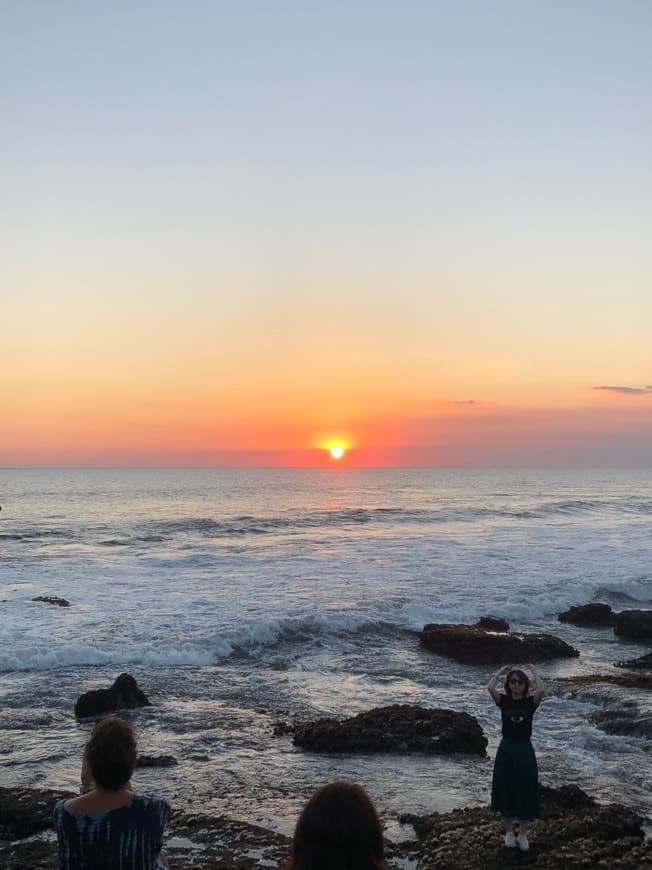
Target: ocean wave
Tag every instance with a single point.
(36, 534)
(160, 531)
(244, 525)
(252, 640)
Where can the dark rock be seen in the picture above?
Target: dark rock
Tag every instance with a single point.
(123, 694)
(51, 599)
(399, 728)
(492, 623)
(574, 832)
(557, 801)
(156, 761)
(24, 811)
(643, 663)
(628, 681)
(588, 614)
(283, 728)
(471, 645)
(635, 624)
(627, 722)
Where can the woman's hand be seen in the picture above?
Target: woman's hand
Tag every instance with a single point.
(537, 685)
(492, 683)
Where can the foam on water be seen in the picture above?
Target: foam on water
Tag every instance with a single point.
(301, 593)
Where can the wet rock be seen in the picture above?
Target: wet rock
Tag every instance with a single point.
(626, 721)
(399, 728)
(492, 623)
(634, 624)
(643, 663)
(24, 811)
(472, 645)
(588, 614)
(627, 681)
(52, 599)
(123, 694)
(156, 761)
(574, 832)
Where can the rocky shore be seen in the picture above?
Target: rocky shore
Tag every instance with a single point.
(574, 833)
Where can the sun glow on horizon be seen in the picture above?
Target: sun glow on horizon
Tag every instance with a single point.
(337, 451)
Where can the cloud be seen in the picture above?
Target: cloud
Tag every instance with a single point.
(627, 391)
(467, 402)
(441, 403)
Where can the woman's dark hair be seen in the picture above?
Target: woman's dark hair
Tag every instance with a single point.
(339, 829)
(522, 676)
(111, 752)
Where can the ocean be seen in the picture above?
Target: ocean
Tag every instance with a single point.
(240, 597)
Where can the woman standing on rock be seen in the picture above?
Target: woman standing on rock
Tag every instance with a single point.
(515, 785)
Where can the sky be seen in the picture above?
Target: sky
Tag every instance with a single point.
(237, 233)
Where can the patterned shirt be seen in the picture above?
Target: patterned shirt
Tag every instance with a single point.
(129, 838)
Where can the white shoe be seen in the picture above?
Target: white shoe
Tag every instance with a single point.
(523, 843)
(510, 840)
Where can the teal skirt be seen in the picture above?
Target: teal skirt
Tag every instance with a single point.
(515, 785)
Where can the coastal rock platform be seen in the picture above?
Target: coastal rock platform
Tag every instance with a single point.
(574, 832)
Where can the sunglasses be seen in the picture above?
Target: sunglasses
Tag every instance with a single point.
(515, 681)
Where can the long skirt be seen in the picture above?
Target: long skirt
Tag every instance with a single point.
(515, 785)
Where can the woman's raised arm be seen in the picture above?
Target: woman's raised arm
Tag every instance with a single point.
(537, 685)
(495, 694)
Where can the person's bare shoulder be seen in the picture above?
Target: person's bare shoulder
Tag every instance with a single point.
(79, 804)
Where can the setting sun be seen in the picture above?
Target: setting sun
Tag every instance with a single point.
(337, 451)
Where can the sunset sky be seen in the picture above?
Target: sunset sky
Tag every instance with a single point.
(235, 233)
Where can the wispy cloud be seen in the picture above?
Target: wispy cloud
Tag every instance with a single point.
(441, 403)
(467, 402)
(627, 391)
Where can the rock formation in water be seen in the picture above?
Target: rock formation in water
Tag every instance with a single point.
(588, 614)
(123, 694)
(398, 728)
(634, 624)
(472, 645)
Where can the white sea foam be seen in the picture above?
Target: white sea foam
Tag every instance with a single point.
(304, 590)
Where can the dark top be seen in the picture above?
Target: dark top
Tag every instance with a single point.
(129, 838)
(517, 717)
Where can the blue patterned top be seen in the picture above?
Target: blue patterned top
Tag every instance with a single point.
(129, 838)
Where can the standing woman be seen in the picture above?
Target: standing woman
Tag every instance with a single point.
(515, 785)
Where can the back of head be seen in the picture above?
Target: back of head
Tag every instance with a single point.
(338, 829)
(111, 752)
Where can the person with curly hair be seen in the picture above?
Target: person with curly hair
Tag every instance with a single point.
(109, 826)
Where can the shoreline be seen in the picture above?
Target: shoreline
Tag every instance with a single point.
(574, 831)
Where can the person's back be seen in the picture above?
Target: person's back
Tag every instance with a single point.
(126, 838)
(110, 827)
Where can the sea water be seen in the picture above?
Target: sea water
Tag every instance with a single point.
(238, 598)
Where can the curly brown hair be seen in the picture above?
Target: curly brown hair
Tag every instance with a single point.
(339, 829)
(111, 752)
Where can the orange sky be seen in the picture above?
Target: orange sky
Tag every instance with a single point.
(438, 257)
